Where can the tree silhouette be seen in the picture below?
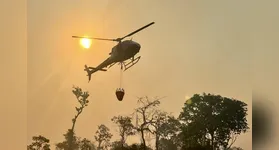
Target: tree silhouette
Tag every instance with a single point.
(207, 122)
(212, 117)
(71, 141)
(193, 136)
(70, 137)
(168, 130)
(103, 137)
(159, 118)
(236, 148)
(146, 112)
(117, 145)
(167, 144)
(86, 144)
(79, 144)
(39, 143)
(138, 147)
(126, 128)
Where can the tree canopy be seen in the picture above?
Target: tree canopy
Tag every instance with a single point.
(126, 128)
(213, 119)
(103, 137)
(206, 122)
(39, 143)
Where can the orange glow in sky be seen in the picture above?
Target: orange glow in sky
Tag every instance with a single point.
(85, 43)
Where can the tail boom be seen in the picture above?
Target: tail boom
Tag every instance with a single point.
(91, 70)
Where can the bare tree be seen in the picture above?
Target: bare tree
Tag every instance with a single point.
(146, 112)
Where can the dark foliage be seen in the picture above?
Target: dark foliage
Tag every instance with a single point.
(207, 122)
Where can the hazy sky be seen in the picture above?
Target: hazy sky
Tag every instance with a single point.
(193, 47)
(13, 81)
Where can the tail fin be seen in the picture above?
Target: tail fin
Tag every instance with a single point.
(89, 72)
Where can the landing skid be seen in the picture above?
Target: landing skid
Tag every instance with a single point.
(129, 64)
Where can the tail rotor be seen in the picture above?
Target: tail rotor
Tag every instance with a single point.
(89, 73)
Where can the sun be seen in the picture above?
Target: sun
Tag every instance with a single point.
(85, 43)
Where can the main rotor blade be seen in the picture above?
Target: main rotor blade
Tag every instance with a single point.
(93, 38)
(138, 30)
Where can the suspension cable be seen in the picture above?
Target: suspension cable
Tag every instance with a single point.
(121, 74)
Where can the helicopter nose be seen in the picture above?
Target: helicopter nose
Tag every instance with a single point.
(137, 46)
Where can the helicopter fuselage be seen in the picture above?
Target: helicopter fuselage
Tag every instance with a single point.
(122, 51)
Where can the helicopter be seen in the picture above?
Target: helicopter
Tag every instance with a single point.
(120, 53)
